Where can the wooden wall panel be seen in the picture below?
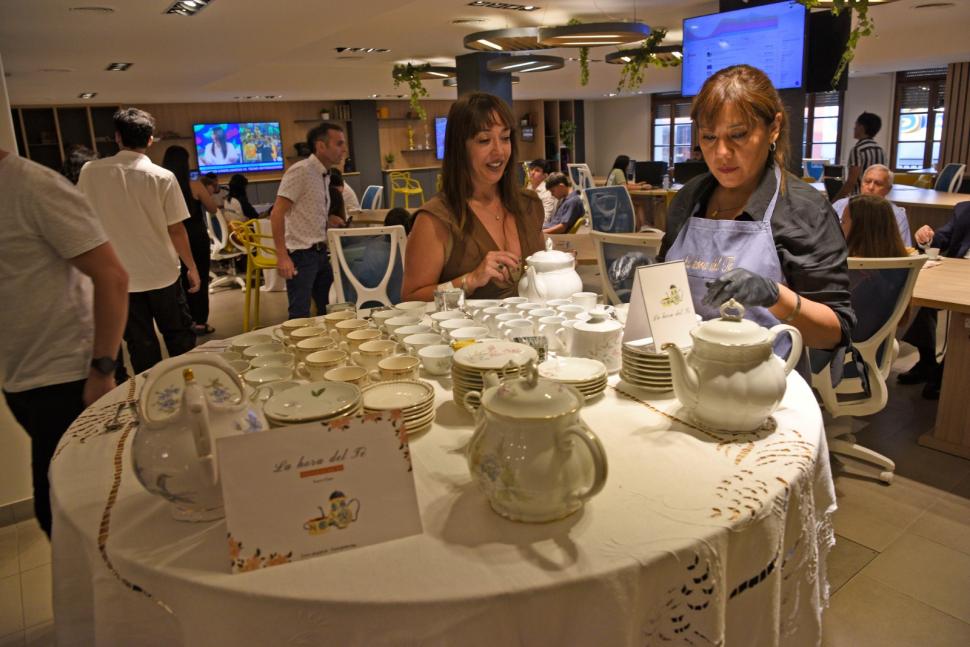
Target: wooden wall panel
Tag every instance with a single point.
(956, 124)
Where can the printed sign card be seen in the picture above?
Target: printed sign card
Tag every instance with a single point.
(661, 306)
(317, 488)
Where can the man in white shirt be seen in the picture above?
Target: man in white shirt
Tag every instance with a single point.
(299, 220)
(59, 340)
(351, 203)
(538, 172)
(141, 209)
(878, 180)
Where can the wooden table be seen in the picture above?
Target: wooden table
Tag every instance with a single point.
(947, 287)
(368, 217)
(923, 206)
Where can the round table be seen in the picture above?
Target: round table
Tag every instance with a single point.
(698, 538)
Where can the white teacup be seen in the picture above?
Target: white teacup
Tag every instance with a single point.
(517, 328)
(549, 328)
(438, 317)
(538, 313)
(471, 333)
(372, 352)
(495, 324)
(318, 363)
(242, 342)
(523, 308)
(487, 315)
(380, 316)
(331, 319)
(290, 325)
(230, 355)
(932, 253)
(414, 343)
(436, 359)
(352, 374)
(511, 302)
(478, 305)
(273, 359)
(413, 329)
(398, 367)
(454, 324)
(258, 376)
(555, 303)
(347, 326)
(412, 307)
(571, 311)
(298, 335)
(392, 324)
(306, 346)
(239, 365)
(587, 300)
(357, 337)
(263, 349)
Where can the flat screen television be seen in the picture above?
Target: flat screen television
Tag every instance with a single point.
(769, 37)
(234, 147)
(440, 126)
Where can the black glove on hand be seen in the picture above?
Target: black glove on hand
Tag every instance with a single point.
(748, 288)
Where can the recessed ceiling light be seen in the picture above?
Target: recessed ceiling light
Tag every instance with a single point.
(934, 5)
(87, 95)
(92, 9)
(505, 6)
(56, 70)
(362, 50)
(466, 21)
(117, 67)
(188, 7)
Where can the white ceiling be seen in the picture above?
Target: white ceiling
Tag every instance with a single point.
(237, 48)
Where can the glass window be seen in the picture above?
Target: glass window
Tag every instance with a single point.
(918, 118)
(672, 128)
(823, 126)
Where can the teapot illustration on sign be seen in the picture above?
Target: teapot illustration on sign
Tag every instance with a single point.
(550, 274)
(731, 380)
(342, 513)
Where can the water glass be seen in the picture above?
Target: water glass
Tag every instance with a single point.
(449, 299)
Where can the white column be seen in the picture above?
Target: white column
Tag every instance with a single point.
(8, 140)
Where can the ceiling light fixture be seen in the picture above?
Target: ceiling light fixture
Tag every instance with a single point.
(104, 10)
(509, 63)
(362, 50)
(87, 95)
(117, 67)
(453, 83)
(437, 72)
(518, 39)
(664, 53)
(594, 34)
(505, 6)
(188, 7)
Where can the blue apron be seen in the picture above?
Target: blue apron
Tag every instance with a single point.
(710, 248)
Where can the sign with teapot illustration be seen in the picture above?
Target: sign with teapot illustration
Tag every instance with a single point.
(318, 488)
(661, 306)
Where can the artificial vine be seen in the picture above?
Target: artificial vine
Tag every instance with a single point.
(583, 57)
(863, 27)
(411, 74)
(631, 76)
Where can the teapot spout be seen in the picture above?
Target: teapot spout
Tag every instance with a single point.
(686, 383)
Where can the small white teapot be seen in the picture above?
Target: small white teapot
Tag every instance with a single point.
(523, 453)
(187, 403)
(550, 274)
(732, 380)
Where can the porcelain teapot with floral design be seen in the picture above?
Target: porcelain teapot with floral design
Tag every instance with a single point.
(186, 404)
(732, 380)
(550, 274)
(524, 453)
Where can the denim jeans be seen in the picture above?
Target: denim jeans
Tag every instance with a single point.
(313, 278)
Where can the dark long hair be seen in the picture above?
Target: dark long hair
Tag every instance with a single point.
(470, 115)
(176, 159)
(621, 162)
(221, 144)
(873, 232)
(336, 194)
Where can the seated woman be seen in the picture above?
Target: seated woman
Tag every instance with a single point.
(617, 176)
(337, 208)
(475, 233)
(237, 206)
(870, 229)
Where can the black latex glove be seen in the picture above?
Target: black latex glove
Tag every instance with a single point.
(746, 287)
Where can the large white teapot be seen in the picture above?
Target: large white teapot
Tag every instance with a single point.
(731, 379)
(550, 274)
(187, 403)
(524, 453)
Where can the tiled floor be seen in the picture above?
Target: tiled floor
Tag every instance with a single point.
(899, 573)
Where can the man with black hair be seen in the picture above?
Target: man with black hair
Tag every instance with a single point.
(299, 220)
(538, 172)
(141, 207)
(864, 154)
(569, 208)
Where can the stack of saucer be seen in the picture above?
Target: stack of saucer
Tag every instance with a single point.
(315, 402)
(646, 368)
(414, 398)
(588, 376)
(471, 363)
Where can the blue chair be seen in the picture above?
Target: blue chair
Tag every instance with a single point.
(373, 197)
(610, 209)
(880, 292)
(368, 264)
(950, 177)
(619, 256)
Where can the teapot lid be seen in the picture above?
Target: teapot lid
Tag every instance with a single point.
(551, 257)
(732, 329)
(531, 398)
(599, 321)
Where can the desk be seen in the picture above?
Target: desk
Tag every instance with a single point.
(368, 217)
(923, 206)
(585, 246)
(721, 538)
(947, 287)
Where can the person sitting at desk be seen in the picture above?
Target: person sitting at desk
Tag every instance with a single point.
(617, 176)
(878, 181)
(570, 208)
(538, 172)
(870, 228)
(237, 206)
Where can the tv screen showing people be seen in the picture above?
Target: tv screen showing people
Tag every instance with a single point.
(232, 147)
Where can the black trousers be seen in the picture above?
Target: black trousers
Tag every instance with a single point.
(199, 244)
(45, 412)
(922, 334)
(166, 308)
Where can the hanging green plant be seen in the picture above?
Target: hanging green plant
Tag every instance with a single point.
(631, 76)
(567, 131)
(583, 57)
(863, 27)
(411, 74)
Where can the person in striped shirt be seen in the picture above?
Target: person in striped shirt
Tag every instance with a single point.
(864, 154)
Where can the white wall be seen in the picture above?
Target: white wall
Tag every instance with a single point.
(868, 94)
(617, 127)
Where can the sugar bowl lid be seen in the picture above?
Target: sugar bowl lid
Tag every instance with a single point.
(531, 398)
(732, 329)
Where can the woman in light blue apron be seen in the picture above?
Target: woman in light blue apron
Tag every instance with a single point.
(750, 230)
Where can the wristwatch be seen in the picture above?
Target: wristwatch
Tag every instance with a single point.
(104, 365)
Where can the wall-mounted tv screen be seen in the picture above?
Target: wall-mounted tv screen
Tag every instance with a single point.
(231, 147)
(440, 126)
(770, 37)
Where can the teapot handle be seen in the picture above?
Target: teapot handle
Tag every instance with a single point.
(596, 451)
(167, 365)
(796, 344)
(472, 401)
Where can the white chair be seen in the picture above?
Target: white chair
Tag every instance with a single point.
(880, 292)
(373, 197)
(221, 250)
(368, 264)
(950, 177)
(581, 176)
(610, 209)
(618, 256)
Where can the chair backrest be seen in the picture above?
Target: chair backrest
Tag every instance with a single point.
(218, 232)
(832, 187)
(618, 257)
(368, 264)
(950, 177)
(373, 197)
(610, 209)
(880, 292)
(581, 176)
(833, 170)
(256, 237)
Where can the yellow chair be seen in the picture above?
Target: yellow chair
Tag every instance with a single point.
(403, 184)
(924, 181)
(259, 256)
(909, 179)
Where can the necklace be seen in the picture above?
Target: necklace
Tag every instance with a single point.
(718, 210)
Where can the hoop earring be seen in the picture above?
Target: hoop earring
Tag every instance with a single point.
(772, 147)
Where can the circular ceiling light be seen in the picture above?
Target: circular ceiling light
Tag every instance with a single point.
(669, 53)
(525, 63)
(519, 39)
(594, 34)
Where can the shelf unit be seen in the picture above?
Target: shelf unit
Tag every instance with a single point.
(47, 134)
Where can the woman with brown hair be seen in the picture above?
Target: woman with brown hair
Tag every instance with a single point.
(476, 231)
(870, 228)
(746, 230)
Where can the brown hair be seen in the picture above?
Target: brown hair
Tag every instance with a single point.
(873, 232)
(752, 94)
(470, 115)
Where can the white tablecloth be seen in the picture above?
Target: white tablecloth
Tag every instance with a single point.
(696, 539)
